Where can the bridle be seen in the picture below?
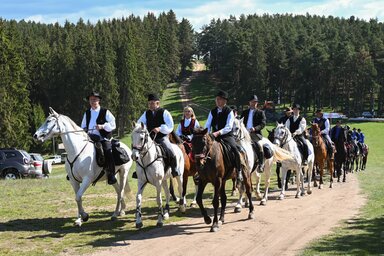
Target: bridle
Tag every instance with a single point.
(203, 156)
(284, 140)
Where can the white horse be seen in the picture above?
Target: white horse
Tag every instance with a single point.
(284, 139)
(243, 138)
(81, 165)
(151, 169)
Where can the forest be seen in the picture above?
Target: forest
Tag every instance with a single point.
(317, 61)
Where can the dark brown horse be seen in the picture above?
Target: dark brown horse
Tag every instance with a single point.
(321, 155)
(341, 155)
(212, 169)
(189, 167)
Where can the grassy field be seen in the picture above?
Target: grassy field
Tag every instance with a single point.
(36, 216)
(363, 235)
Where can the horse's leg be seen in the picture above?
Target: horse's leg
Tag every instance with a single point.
(278, 175)
(234, 188)
(215, 202)
(165, 212)
(321, 169)
(120, 191)
(331, 170)
(283, 180)
(239, 204)
(223, 200)
(309, 173)
(289, 172)
(258, 179)
(172, 191)
(159, 200)
(140, 188)
(314, 170)
(83, 216)
(199, 199)
(299, 176)
(182, 191)
(248, 190)
(194, 203)
(267, 173)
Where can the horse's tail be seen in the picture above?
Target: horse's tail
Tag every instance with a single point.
(282, 154)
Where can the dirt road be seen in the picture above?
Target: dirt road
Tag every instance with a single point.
(280, 228)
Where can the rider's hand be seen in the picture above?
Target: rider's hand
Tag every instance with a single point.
(156, 130)
(99, 127)
(252, 129)
(216, 134)
(294, 134)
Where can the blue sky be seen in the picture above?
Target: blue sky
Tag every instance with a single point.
(198, 12)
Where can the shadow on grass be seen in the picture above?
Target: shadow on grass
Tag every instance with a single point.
(363, 237)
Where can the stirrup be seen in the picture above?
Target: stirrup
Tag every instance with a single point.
(305, 163)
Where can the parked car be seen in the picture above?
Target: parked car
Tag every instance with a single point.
(16, 164)
(367, 114)
(56, 159)
(45, 166)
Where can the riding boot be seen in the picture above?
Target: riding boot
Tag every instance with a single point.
(238, 168)
(174, 167)
(260, 156)
(110, 166)
(100, 157)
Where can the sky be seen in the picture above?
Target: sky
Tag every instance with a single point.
(198, 12)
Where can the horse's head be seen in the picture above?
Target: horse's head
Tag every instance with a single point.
(271, 135)
(49, 128)
(140, 137)
(281, 134)
(240, 131)
(315, 134)
(200, 143)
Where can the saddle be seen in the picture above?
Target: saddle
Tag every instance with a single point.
(166, 154)
(120, 156)
(300, 146)
(330, 147)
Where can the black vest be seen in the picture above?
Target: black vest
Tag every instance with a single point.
(155, 120)
(189, 129)
(220, 120)
(321, 123)
(101, 119)
(293, 126)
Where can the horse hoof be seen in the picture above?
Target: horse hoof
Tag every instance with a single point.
(193, 205)
(315, 185)
(85, 217)
(281, 197)
(113, 218)
(207, 220)
(159, 224)
(220, 222)
(251, 216)
(139, 225)
(214, 228)
(309, 192)
(182, 208)
(297, 196)
(330, 186)
(237, 209)
(263, 202)
(166, 216)
(78, 222)
(343, 180)
(121, 213)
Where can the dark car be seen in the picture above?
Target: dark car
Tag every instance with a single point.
(15, 164)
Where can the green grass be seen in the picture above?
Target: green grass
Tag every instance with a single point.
(363, 235)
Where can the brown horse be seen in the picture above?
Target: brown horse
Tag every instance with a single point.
(212, 169)
(189, 167)
(321, 155)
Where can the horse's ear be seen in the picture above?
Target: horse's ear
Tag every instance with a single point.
(52, 112)
(133, 124)
(205, 130)
(142, 125)
(242, 120)
(277, 123)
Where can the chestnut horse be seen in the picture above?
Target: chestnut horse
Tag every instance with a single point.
(189, 167)
(209, 156)
(321, 155)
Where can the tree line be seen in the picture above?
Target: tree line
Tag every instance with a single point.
(316, 61)
(53, 65)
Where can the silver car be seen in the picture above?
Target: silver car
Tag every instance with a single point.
(16, 164)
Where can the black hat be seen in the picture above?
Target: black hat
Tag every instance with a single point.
(253, 97)
(94, 94)
(359, 130)
(288, 110)
(295, 105)
(222, 94)
(354, 128)
(153, 96)
(319, 111)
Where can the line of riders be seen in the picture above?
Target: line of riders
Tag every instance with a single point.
(100, 122)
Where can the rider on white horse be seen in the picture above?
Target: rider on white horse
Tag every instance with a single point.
(160, 123)
(255, 121)
(99, 123)
(297, 125)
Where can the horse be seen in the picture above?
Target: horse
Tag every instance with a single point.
(364, 157)
(81, 166)
(341, 155)
(243, 138)
(189, 167)
(284, 139)
(353, 152)
(212, 168)
(150, 168)
(321, 156)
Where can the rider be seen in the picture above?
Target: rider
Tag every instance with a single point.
(297, 124)
(160, 123)
(99, 123)
(336, 131)
(360, 139)
(324, 128)
(254, 120)
(354, 134)
(287, 115)
(187, 124)
(220, 122)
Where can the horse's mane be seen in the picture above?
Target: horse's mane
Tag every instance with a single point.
(74, 126)
(244, 130)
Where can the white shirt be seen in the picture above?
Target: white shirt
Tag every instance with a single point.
(250, 119)
(109, 125)
(302, 125)
(186, 124)
(228, 126)
(166, 128)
